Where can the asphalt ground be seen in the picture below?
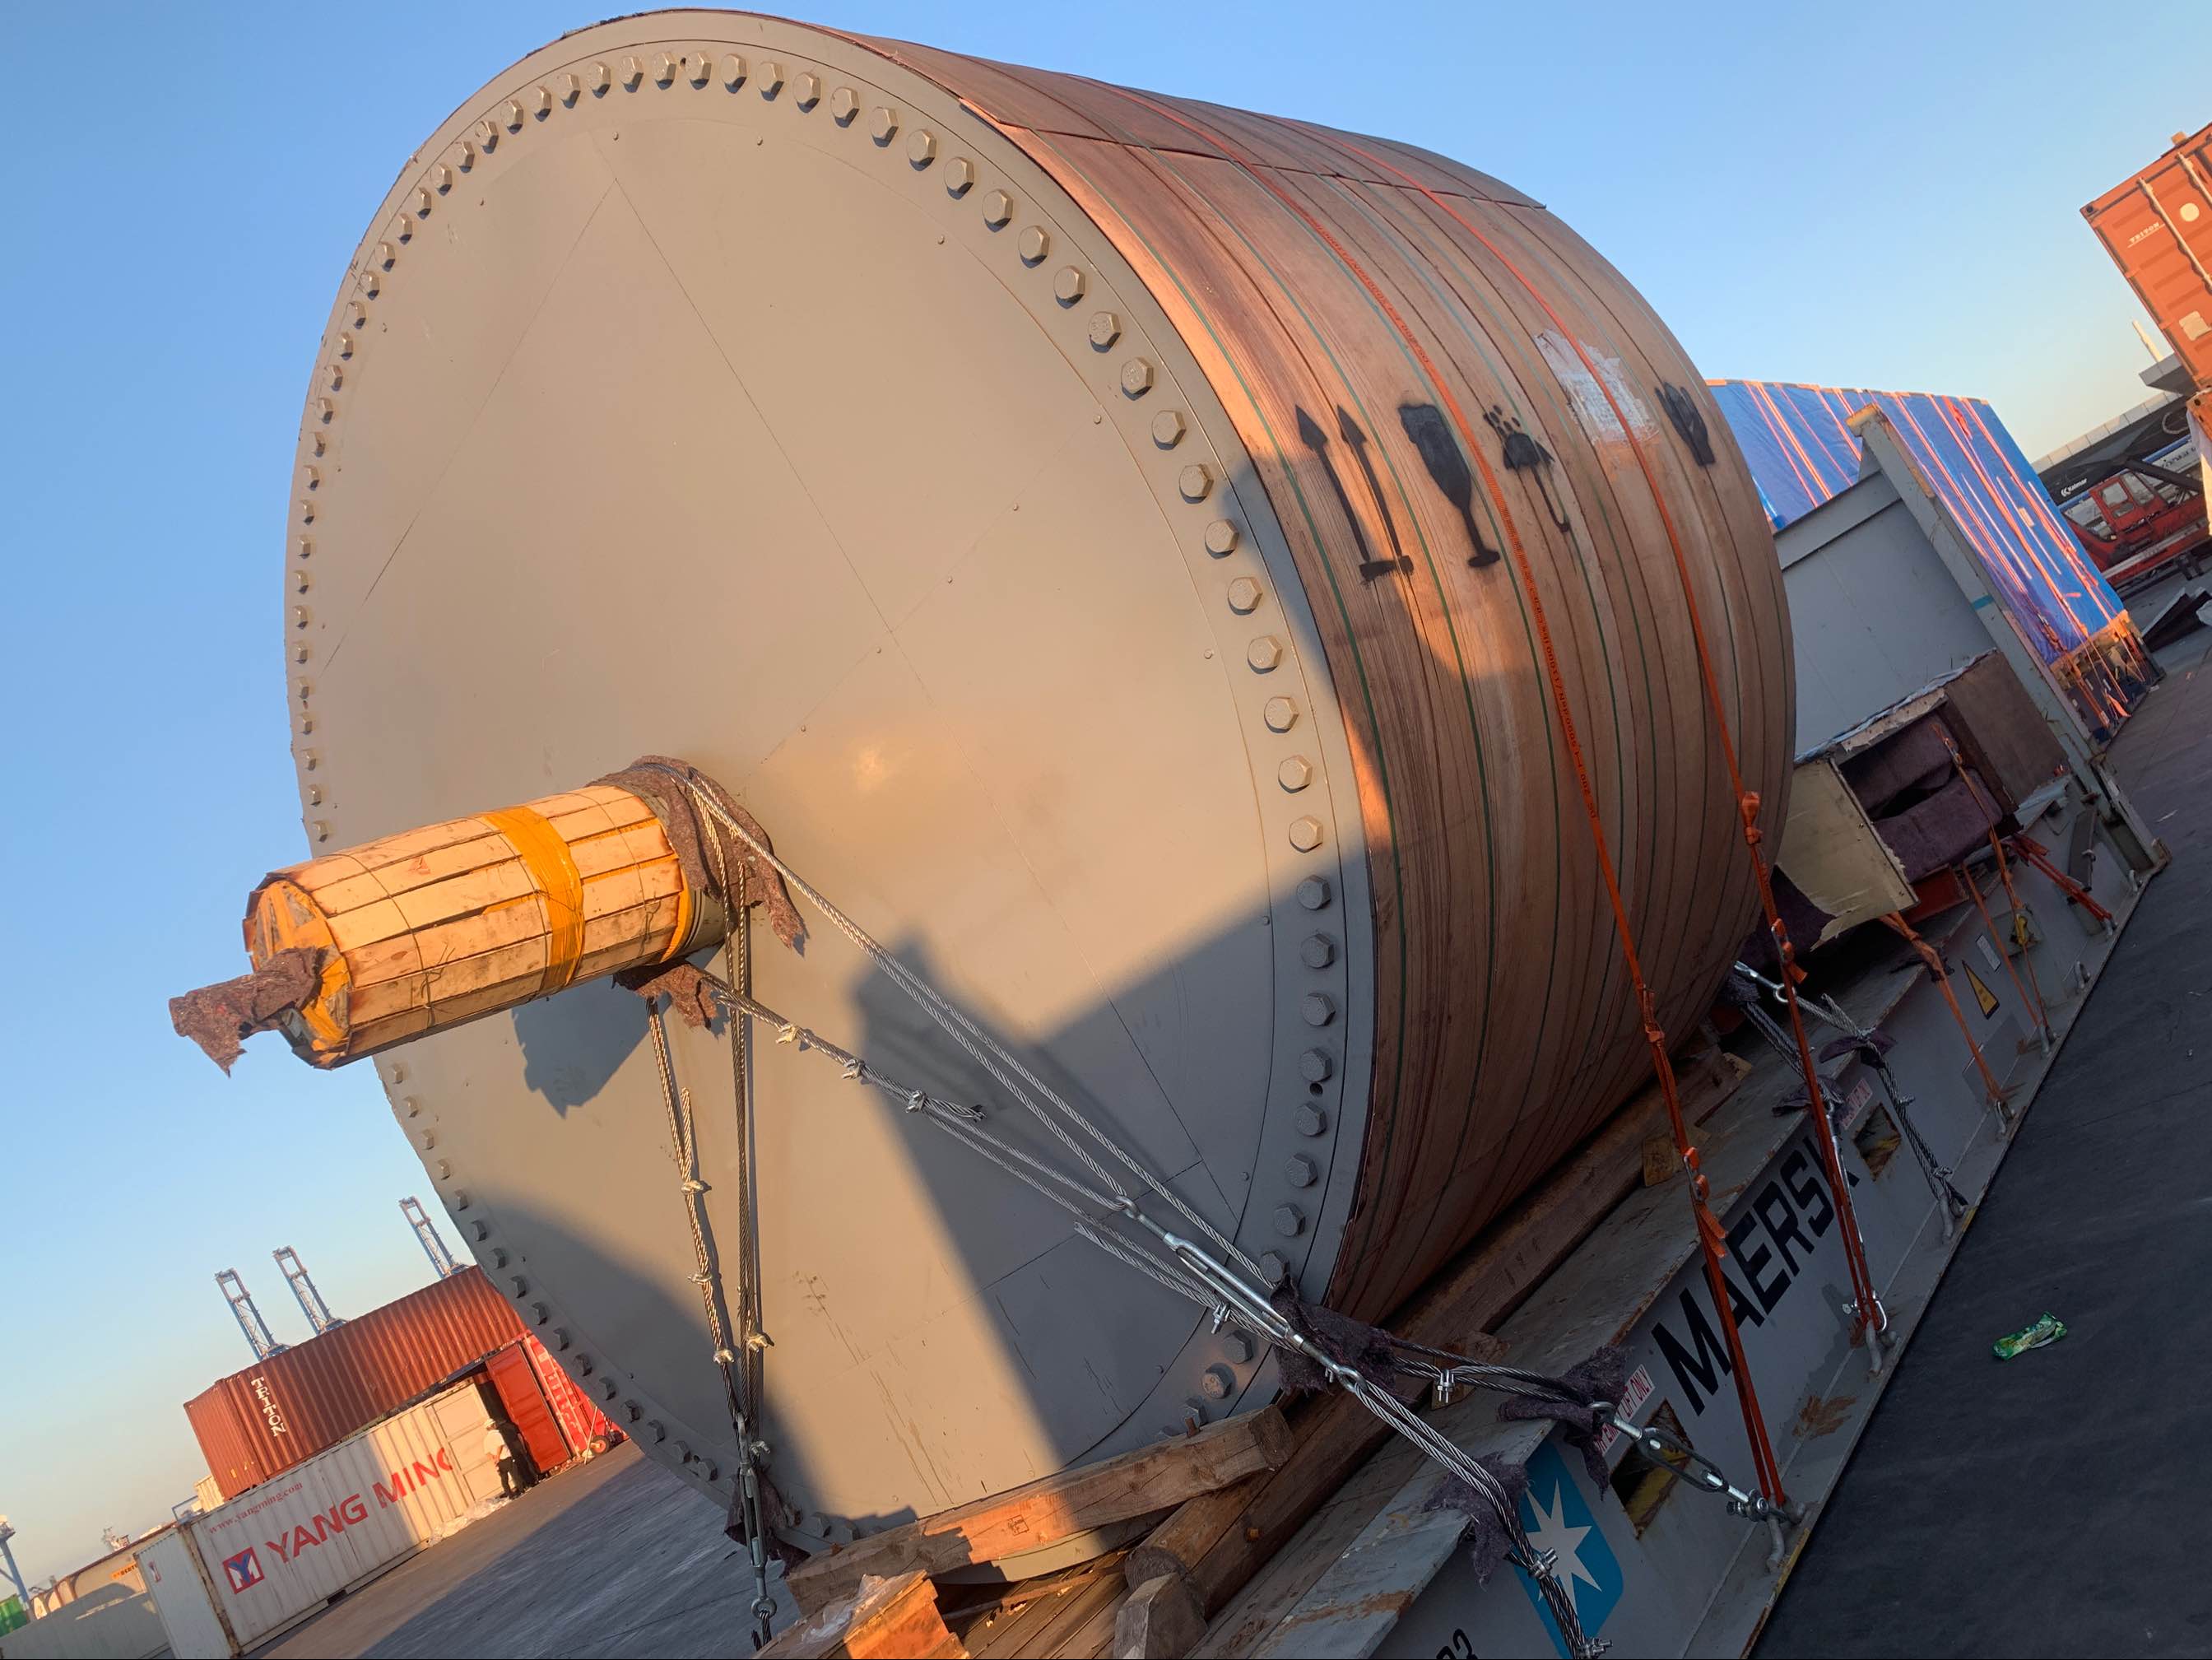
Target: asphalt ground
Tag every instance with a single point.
(611, 1558)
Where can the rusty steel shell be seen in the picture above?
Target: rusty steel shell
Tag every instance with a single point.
(1111, 542)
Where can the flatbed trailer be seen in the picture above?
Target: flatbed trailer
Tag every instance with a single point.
(1379, 1565)
(2182, 553)
(1671, 1571)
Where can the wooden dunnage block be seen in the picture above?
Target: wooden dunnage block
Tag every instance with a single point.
(894, 1619)
(1140, 1483)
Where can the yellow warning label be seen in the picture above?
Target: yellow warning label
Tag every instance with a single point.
(1982, 994)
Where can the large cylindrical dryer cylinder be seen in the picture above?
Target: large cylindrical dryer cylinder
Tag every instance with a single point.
(1108, 541)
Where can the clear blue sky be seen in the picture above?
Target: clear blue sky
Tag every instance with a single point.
(1870, 194)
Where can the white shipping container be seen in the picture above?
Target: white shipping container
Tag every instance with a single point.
(224, 1581)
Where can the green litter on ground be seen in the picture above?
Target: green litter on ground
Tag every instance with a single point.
(2048, 1329)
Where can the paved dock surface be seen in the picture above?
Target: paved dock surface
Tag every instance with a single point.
(2053, 1504)
(614, 1557)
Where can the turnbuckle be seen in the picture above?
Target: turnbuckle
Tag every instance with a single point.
(1240, 1300)
(763, 1605)
(1694, 1469)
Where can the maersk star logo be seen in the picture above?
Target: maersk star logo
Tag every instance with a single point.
(1558, 1519)
(1553, 1534)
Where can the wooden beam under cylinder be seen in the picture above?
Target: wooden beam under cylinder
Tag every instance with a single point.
(1045, 1511)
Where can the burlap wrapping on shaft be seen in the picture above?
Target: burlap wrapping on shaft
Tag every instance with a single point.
(686, 989)
(1489, 1543)
(688, 831)
(220, 1017)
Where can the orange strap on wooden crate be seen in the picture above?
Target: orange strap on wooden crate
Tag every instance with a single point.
(553, 872)
(2040, 856)
(1868, 1307)
(2019, 913)
(1966, 881)
(1933, 958)
(1989, 816)
(1711, 1235)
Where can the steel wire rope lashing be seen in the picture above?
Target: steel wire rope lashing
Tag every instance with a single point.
(1871, 1048)
(1318, 1347)
(391, 940)
(342, 969)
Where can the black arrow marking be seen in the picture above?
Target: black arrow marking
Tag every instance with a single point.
(1348, 429)
(1447, 470)
(1311, 436)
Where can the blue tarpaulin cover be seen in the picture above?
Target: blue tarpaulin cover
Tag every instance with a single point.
(1803, 450)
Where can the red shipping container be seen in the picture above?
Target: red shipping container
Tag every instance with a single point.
(2158, 228)
(557, 1420)
(523, 1399)
(580, 1420)
(256, 1423)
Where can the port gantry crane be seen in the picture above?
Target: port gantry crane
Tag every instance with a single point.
(426, 1232)
(310, 1300)
(248, 1316)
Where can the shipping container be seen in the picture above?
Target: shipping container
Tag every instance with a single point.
(1805, 447)
(582, 1423)
(225, 1581)
(557, 1422)
(258, 1423)
(2157, 226)
(523, 1399)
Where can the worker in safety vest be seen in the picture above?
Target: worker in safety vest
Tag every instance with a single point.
(499, 1446)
